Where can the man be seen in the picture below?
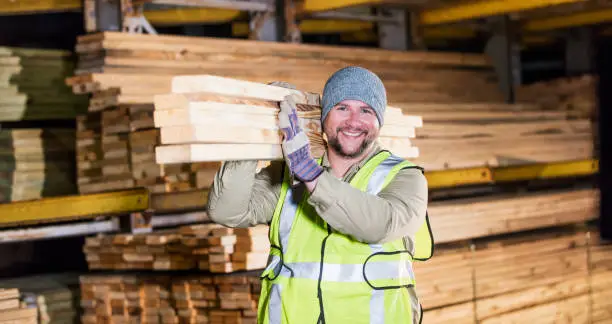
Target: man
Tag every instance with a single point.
(343, 239)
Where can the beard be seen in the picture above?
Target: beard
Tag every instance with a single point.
(335, 144)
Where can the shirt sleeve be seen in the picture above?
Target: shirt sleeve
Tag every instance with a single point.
(242, 197)
(396, 212)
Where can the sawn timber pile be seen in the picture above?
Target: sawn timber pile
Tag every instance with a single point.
(12, 310)
(473, 135)
(32, 85)
(543, 276)
(116, 140)
(210, 118)
(208, 247)
(465, 122)
(132, 298)
(408, 76)
(36, 163)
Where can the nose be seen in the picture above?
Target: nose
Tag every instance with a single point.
(354, 119)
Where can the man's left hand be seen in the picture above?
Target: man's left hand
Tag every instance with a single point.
(295, 145)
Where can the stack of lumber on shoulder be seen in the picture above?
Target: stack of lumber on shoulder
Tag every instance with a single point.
(36, 163)
(32, 85)
(489, 134)
(575, 95)
(56, 297)
(12, 310)
(211, 118)
(530, 277)
(210, 247)
(409, 76)
(229, 299)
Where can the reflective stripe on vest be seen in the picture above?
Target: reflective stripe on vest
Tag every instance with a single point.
(377, 274)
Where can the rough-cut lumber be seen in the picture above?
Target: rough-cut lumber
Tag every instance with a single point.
(409, 76)
(211, 118)
(12, 310)
(116, 148)
(55, 297)
(129, 298)
(36, 163)
(471, 135)
(541, 276)
(458, 98)
(460, 219)
(208, 247)
(32, 85)
(576, 95)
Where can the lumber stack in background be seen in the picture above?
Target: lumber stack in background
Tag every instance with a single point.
(409, 76)
(575, 95)
(209, 118)
(469, 218)
(129, 298)
(208, 247)
(542, 276)
(465, 121)
(473, 135)
(36, 163)
(116, 142)
(12, 310)
(55, 296)
(32, 85)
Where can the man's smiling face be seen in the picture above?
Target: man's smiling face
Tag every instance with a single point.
(351, 126)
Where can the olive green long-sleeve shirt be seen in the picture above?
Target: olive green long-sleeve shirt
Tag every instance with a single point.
(240, 197)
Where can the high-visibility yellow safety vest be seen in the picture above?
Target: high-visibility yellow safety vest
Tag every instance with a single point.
(318, 275)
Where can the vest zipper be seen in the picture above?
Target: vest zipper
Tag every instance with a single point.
(319, 292)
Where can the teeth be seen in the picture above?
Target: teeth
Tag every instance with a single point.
(352, 134)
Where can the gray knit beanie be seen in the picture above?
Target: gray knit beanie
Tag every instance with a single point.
(355, 83)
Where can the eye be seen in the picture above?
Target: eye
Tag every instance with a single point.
(367, 110)
(341, 108)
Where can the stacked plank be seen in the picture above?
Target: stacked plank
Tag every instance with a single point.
(409, 76)
(116, 143)
(56, 297)
(230, 299)
(466, 123)
(32, 85)
(36, 163)
(209, 247)
(535, 277)
(600, 267)
(473, 135)
(12, 310)
(210, 118)
(576, 95)
(461, 219)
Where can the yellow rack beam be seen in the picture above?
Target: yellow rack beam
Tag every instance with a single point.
(71, 207)
(485, 175)
(179, 16)
(458, 177)
(566, 21)
(477, 9)
(546, 171)
(17, 7)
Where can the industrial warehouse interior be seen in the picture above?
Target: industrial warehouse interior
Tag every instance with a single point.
(119, 117)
